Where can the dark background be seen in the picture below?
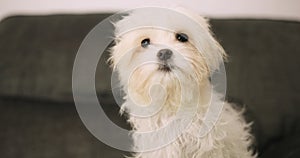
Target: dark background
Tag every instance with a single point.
(38, 118)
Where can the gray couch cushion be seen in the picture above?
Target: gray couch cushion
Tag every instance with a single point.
(33, 128)
(262, 72)
(37, 55)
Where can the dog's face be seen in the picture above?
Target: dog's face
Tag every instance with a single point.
(157, 53)
(149, 55)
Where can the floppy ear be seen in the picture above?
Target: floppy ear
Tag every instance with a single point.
(215, 53)
(110, 49)
(116, 52)
(114, 48)
(204, 40)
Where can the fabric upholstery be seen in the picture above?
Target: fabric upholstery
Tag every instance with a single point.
(36, 59)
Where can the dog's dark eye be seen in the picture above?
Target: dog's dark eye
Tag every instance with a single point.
(182, 37)
(145, 42)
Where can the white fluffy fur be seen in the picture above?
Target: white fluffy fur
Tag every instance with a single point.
(192, 62)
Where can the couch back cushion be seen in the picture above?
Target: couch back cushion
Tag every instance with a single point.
(37, 55)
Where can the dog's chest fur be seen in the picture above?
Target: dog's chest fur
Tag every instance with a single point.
(229, 138)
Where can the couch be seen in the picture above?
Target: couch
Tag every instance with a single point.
(38, 118)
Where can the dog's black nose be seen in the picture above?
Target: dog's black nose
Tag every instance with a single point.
(164, 54)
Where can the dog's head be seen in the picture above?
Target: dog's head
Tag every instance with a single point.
(147, 55)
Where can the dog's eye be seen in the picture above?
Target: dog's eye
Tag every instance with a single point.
(182, 37)
(145, 42)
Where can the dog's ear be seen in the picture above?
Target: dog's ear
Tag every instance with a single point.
(215, 53)
(114, 47)
(118, 51)
(114, 51)
(204, 40)
(110, 49)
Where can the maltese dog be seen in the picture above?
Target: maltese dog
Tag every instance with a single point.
(165, 73)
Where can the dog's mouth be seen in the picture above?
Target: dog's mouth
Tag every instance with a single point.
(165, 67)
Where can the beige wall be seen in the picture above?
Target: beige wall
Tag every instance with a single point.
(271, 9)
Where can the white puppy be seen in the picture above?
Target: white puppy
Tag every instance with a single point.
(166, 71)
